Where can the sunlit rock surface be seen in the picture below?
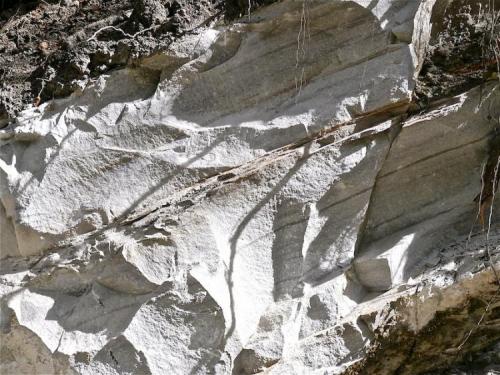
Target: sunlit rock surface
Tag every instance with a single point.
(259, 198)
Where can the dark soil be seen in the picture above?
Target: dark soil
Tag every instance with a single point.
(463, 52)
(49, 48)
(453, 339)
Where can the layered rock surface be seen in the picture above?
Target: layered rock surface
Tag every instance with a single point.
(261, 197)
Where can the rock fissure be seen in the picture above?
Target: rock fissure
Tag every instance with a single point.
(308, 189)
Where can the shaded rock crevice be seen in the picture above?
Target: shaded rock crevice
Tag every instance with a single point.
(301, 190)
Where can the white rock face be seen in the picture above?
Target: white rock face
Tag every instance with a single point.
(219, 99)
(252, 200)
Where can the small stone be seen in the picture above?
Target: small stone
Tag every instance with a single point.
(43, 45)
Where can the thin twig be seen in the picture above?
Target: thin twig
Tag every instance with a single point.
(131, 36)
(300, 53)
(476, 326)
(489, 222)
(478, 208)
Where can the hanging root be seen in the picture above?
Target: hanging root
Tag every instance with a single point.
(491, 37)
(300, 54)
(478, 215)
(478, 324)
(484, 204)
(489, 186)
(490, 216)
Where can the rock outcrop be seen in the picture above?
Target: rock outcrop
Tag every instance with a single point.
(283, 194)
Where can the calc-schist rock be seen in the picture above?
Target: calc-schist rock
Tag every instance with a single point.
(268, 195)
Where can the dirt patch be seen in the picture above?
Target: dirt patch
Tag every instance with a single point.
(464, 50)
(452, 339)
(486, 361)
(48, 48)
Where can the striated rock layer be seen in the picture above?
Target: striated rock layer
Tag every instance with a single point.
(262, 197)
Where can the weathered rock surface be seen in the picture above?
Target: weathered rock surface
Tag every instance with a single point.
(261, 197)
